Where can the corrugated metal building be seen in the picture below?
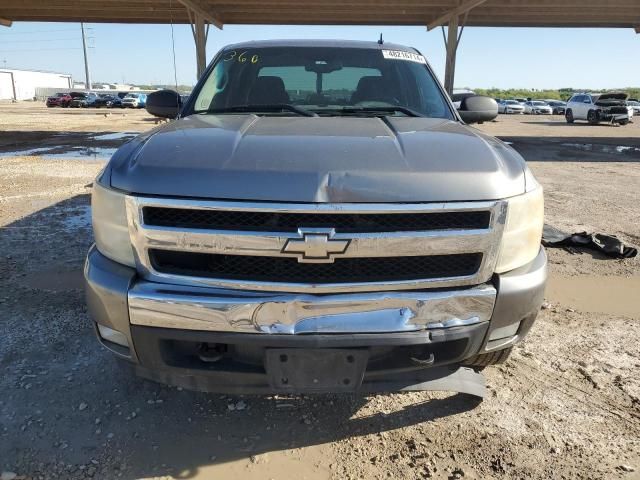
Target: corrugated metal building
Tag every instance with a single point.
(21, 84)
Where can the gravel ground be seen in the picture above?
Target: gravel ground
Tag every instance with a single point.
(565, 406)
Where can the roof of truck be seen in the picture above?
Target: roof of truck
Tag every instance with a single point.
(322, 43)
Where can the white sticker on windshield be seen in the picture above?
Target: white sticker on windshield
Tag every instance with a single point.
(402, 55)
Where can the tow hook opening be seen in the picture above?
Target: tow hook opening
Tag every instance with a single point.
(211, 352)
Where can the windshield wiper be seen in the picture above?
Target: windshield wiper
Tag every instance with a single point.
(279, 107)
(383, 110)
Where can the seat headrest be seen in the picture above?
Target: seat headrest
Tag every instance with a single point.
(267, 91)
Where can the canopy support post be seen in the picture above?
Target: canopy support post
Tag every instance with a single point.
(451, 42)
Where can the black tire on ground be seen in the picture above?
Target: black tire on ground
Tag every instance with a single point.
(592, 117)
(623, 122)
(568, 115)
(486, 359)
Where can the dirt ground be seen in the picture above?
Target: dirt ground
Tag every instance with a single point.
(565, 406)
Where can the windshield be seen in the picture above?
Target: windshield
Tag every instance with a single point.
(512, 102)
(131, 95)
(539, 104)
(323, 81)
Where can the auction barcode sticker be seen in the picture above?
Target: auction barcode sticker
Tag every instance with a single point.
(402, 55)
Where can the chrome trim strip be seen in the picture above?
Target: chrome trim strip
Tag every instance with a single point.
(437, 242)
(175, 306)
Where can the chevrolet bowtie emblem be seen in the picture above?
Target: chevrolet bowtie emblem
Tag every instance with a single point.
(315, 247)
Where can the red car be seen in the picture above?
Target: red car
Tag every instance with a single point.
(59, 100)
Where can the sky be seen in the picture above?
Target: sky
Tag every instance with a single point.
(487, 57)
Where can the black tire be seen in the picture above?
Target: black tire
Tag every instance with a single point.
(593, 117)
(568, 115)
(487, 359)
(623, 122)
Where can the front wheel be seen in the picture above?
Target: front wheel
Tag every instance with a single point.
(569, 116)
(623, 122)
(593, 118)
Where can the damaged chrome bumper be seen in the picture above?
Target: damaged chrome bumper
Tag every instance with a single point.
(190, 308)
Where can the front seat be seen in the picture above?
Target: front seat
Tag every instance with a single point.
(268, 91)
(371, 89)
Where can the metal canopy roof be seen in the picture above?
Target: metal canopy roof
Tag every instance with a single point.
(488, 13)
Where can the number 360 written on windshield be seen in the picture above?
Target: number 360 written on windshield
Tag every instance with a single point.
(241, 58)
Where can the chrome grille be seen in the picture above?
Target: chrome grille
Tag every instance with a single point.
(344, 270)
(291, 222)
(268, 246)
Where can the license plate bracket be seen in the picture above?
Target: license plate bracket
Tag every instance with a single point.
(296, 370)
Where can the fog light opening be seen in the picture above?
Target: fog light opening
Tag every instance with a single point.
(505, 332)
(113, 336)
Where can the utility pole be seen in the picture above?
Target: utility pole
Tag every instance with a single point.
(86, 59)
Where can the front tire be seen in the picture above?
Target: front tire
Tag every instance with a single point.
(623, 122)
(592, 117)
(487, 359)
(569, 116)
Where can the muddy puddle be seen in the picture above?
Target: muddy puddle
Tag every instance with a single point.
(74, 145)
(54, 280)
(596, 294)
(602, 148)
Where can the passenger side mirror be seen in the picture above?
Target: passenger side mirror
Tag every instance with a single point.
(478, 109)
(164, 103)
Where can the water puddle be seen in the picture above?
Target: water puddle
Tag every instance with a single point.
(54, 280)
(115, 136)
(67, 145)
(601, 148)
(596, 294)
(64, 152)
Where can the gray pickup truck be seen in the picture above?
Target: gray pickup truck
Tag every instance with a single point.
(318, 218)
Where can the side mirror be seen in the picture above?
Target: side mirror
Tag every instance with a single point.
(478, 109)
(164, 103)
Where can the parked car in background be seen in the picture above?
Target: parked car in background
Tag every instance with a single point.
(460, 94)
(104, 100)
(84, 100)
(58, 99)
(537, 107)
(134, 100)
(599, 107)
(510, 106)
(635, 105)
(521, 101)
(66, 102)
(558, 107)
(117, 102)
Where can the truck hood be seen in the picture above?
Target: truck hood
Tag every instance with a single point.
(318, 159)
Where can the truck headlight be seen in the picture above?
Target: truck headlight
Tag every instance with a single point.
(523, 228)
(110, 228)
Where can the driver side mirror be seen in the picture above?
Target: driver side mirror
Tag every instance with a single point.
(164, 103)
(478, 109)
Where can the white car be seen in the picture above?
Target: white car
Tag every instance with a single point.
(134, 100)
(510, 106)
(599, 107)
(635, 106)
(537, 107)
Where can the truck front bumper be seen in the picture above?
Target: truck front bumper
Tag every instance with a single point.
(220, 340)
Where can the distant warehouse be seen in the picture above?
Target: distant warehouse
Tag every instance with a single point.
(21, 84)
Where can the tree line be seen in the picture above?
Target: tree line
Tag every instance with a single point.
(560, 94)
